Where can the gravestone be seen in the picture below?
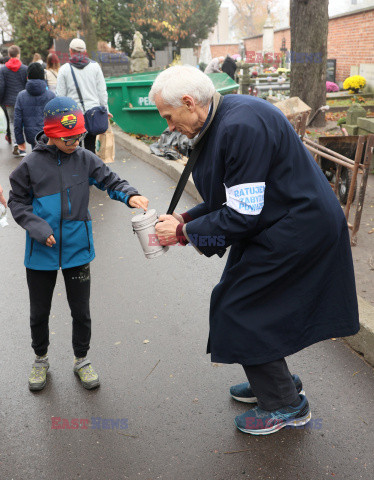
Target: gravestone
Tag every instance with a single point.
(367, 71)
(331, 70)
(161, 58)
(188, 57)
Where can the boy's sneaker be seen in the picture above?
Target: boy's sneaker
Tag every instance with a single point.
(22, 153)
(261, 422)
(88, 377)
(38, 375)
(15, 150)
(244, 393)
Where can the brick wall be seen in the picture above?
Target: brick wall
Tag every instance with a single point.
(222, 50)
(350, 41)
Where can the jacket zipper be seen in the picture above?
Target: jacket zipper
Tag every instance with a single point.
(68, 191)
(60, 172)
(88, 237)
(31, 248)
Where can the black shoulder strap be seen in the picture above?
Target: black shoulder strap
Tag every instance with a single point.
(186, 172)
(78, 89)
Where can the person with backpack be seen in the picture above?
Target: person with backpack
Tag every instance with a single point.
(30, 103)
(13, 78)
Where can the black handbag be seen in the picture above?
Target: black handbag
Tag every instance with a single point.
(96, 118)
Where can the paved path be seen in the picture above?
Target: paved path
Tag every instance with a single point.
(179, 414)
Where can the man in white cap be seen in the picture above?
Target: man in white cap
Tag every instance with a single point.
(90, 80)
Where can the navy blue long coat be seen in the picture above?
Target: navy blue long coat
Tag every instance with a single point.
(289, 279)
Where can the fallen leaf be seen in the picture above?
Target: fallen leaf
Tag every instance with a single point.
(145, 341)
(137, 321)
(117, 343)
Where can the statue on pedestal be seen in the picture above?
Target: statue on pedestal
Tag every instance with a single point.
(139, 60)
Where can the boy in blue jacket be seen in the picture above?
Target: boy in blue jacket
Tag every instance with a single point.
(29, 107)
(49, 199)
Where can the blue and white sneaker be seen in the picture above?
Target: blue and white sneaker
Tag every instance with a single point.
(261, 422)
(243, 392)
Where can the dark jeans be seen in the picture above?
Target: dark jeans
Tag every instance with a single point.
(272, 384)
(90, 142)
(41, 285)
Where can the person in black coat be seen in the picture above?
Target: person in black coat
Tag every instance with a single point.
(28, 113)
(229, 66)
(289, 279)
(13, 77)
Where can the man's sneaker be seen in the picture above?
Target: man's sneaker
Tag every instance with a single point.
(261, 422)
(88, 377)
(8, 139)
(244, 393)
(22, 153)
(38, 375)
(15, 150)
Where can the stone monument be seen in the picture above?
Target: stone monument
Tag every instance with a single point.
(139, 60)
(268, 35)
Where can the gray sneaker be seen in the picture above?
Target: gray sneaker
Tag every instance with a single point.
(88, 377)
(38, 375)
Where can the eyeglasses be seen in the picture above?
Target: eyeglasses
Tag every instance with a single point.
(69, 141)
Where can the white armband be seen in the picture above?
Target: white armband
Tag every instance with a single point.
(247, 198)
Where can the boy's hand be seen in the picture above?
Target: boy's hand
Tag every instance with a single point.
(22, 146)
(139, 201)
(50, 241)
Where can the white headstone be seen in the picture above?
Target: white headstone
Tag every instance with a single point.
(188, 57)
(367, 71)
(268, 37)
(205, 53)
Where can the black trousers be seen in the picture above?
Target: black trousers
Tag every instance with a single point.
(90, 142)
(77, 284)
(272, 384)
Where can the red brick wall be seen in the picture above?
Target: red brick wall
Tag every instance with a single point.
(350, 41)
(222, 50)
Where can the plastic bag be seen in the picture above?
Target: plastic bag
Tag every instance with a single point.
(3, 122)
(3, 219)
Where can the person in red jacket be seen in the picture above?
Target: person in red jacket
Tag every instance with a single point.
(13, 77)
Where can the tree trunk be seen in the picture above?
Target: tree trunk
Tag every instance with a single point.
(309, 27)
(88, 28)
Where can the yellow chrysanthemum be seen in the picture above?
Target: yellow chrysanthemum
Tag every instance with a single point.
(354, 83)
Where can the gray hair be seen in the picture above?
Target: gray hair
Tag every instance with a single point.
(177, 81)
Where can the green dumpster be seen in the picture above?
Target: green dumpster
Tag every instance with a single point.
(130, 106)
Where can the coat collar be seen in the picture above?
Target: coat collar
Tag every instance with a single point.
(214, 107)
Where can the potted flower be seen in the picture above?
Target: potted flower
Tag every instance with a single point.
(331, 87)
(354, 83)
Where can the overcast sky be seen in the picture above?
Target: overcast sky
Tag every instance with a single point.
(335, 6)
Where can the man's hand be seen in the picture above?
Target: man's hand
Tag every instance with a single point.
(2, 198)
(166, 230)
(139, 202)
(178, 217)
(110, 115)
(50, 241)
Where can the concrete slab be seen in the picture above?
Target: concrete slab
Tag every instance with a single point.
(366, 124)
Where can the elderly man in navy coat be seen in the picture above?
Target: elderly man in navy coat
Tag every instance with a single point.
(289, 279)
